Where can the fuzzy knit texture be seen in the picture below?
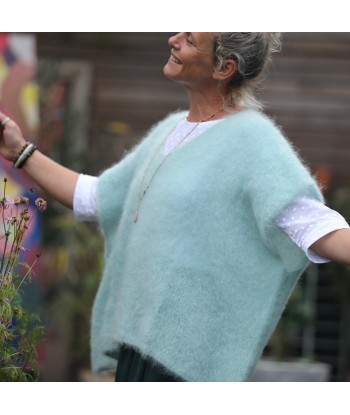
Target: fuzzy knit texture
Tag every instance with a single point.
(200, 281)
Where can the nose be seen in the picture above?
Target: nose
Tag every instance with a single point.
(174, 41)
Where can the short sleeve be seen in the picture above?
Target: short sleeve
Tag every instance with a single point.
(85, 198)
(306, 220)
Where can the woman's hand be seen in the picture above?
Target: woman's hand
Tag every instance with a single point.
(11, 139)
(54, 179)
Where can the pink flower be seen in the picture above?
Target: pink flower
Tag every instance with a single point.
(41, 204)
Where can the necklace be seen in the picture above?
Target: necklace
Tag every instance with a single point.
(143, 192)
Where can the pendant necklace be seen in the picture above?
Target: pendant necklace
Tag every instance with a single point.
(142, 193)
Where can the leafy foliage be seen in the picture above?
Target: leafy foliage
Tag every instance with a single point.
(20, 330)
(78, 265)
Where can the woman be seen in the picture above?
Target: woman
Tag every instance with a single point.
(205, 231)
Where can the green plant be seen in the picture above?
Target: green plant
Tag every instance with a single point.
(75, 261)
(339, 275)
(296, 316)
(20, 330)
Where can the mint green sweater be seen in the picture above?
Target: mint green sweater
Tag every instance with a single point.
(200, 281)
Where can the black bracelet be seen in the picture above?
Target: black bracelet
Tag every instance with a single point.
(21, 152)
(22, 157)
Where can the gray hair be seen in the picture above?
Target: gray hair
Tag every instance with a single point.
(252, 53)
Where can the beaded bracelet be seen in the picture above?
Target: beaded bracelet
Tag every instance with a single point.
(22, 157)
(23, 148)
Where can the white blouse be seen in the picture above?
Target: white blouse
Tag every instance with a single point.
(304, 221)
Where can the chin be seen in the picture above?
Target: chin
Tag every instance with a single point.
(170, 73)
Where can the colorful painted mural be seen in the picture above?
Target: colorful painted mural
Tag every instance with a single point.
(19, 100)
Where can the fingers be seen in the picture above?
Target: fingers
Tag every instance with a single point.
(5, 121)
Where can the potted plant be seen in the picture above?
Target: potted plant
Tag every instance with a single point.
(20, 329)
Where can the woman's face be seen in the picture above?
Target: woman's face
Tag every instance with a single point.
(192, 59)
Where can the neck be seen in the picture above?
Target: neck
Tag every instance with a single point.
(206, 114)
(205, 107)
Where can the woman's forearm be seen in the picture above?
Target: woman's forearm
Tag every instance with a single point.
(54, 179)
(335, 246)
(57, 181)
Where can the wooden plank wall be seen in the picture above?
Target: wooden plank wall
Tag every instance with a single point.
(307, 92)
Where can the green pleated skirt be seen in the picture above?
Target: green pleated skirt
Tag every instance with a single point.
(133, 367)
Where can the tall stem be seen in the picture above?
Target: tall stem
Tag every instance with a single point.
(23, 279)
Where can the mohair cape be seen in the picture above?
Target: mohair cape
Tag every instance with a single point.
(200, 281)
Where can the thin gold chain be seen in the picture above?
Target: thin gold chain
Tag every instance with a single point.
(143, 192)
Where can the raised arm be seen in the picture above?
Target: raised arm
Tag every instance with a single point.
(54, 179)
(335, 246)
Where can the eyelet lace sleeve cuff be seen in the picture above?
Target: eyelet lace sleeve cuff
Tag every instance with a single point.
(85, 203)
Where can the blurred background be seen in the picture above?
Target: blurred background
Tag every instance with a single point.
(86, 98)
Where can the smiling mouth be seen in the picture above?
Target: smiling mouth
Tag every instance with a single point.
(173, 59)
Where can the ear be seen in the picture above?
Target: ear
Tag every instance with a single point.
(226, 71)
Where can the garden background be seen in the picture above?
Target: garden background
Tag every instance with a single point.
(86, 98)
